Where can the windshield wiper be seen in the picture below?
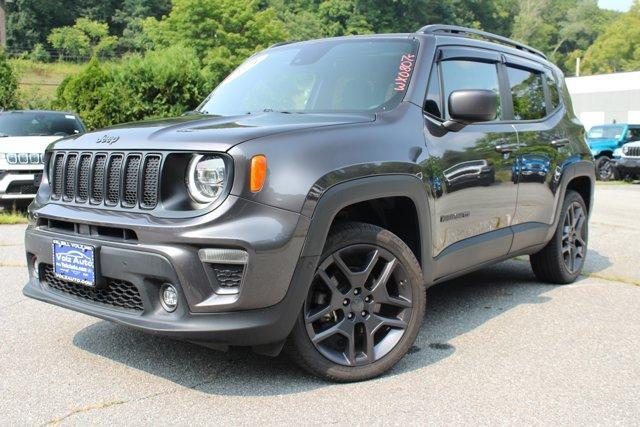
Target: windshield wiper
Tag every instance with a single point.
(271, 110)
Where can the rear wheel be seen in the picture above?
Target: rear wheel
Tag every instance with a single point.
(562, 260)
(364, 307)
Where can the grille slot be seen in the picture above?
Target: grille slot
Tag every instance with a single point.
(116, 293)
(97, 186)
(150, 181)
(70, 178)
(633, 152)
(58, 169)
(84, 170)
(113, 180)
(130, 193)
(127, 180)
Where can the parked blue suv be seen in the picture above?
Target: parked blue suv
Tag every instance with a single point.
(603, 140)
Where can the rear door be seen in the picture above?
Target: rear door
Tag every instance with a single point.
(471, 171)
(544, 135)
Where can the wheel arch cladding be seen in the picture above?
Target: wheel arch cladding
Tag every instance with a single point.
(349, 200)
(583, 186)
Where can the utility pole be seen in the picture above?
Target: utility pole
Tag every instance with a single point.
(3, 25)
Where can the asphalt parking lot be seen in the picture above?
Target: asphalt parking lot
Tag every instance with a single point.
(496, 347)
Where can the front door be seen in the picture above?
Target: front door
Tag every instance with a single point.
(472, 170)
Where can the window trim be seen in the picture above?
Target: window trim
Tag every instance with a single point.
(467, 53)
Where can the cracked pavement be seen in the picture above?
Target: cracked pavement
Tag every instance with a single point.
(496, 347)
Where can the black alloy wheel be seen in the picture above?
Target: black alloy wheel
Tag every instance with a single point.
(364, 306)
(359, 305)
(574, 230)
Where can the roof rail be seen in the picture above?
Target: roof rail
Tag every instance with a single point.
(282, 43)
(454, 30)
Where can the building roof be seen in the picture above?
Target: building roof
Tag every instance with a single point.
(616, 82)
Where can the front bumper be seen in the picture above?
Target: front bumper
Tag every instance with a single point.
(18, 184)
(629, 165)
(261, 312)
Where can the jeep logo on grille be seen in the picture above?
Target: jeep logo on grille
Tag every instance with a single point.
(106, 139)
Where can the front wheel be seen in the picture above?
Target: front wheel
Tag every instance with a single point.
(562, 260)
(605, 169)
(364, 307)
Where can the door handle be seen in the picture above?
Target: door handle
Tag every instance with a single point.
(557, 143)
(507, 148)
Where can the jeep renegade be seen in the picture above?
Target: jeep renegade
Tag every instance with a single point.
(316, 193)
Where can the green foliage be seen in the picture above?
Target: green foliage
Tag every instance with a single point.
(159, 84)
(8, 84)
(85, 37)
(238, 25)
(39, 54)
(618, 48)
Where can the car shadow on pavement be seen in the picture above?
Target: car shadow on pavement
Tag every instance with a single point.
(596, 262)
(453, 308)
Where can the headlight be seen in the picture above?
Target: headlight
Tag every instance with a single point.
(625, 149)
(617, 152)
(206, 178)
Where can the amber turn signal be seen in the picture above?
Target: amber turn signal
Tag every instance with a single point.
(258, 172)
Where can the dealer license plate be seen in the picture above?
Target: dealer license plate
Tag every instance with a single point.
(74, 262)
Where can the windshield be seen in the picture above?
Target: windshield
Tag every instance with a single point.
(38, 124)
(606, 132)
(358, 75)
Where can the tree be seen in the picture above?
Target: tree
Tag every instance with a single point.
(85, 37)
(8, 84)
(223, 33)
(162, 83)
(618, 48)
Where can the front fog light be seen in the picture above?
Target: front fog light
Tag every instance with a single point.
(168, 297)
(206, 178)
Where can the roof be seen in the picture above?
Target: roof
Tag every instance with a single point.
(616, 82)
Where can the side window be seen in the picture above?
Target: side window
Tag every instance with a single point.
(633, 134)
(464, 75)
(553, 89)
(527, 93)
(432, 103)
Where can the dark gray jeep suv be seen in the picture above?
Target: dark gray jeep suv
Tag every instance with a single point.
(316, 193)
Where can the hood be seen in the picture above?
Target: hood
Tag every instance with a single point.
(602, 144)
(206, 133)
(25, 144)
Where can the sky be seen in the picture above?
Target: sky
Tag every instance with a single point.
(621, 5)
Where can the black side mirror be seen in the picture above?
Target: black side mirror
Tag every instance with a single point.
(471, 106)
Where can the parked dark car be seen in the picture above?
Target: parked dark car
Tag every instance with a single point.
(306, 202)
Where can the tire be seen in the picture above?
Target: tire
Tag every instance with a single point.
(553, 264)
(605, 171)
(363, 318)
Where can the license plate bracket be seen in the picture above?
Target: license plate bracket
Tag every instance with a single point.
(75, 262)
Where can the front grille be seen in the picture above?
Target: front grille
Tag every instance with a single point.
(116, 293)
(17, 188)
(633, 151)
(228, 275)
(127, 180)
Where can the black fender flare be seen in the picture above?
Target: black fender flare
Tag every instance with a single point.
(358, 190)
(572, 171)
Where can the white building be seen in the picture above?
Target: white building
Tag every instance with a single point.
(606, 98)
